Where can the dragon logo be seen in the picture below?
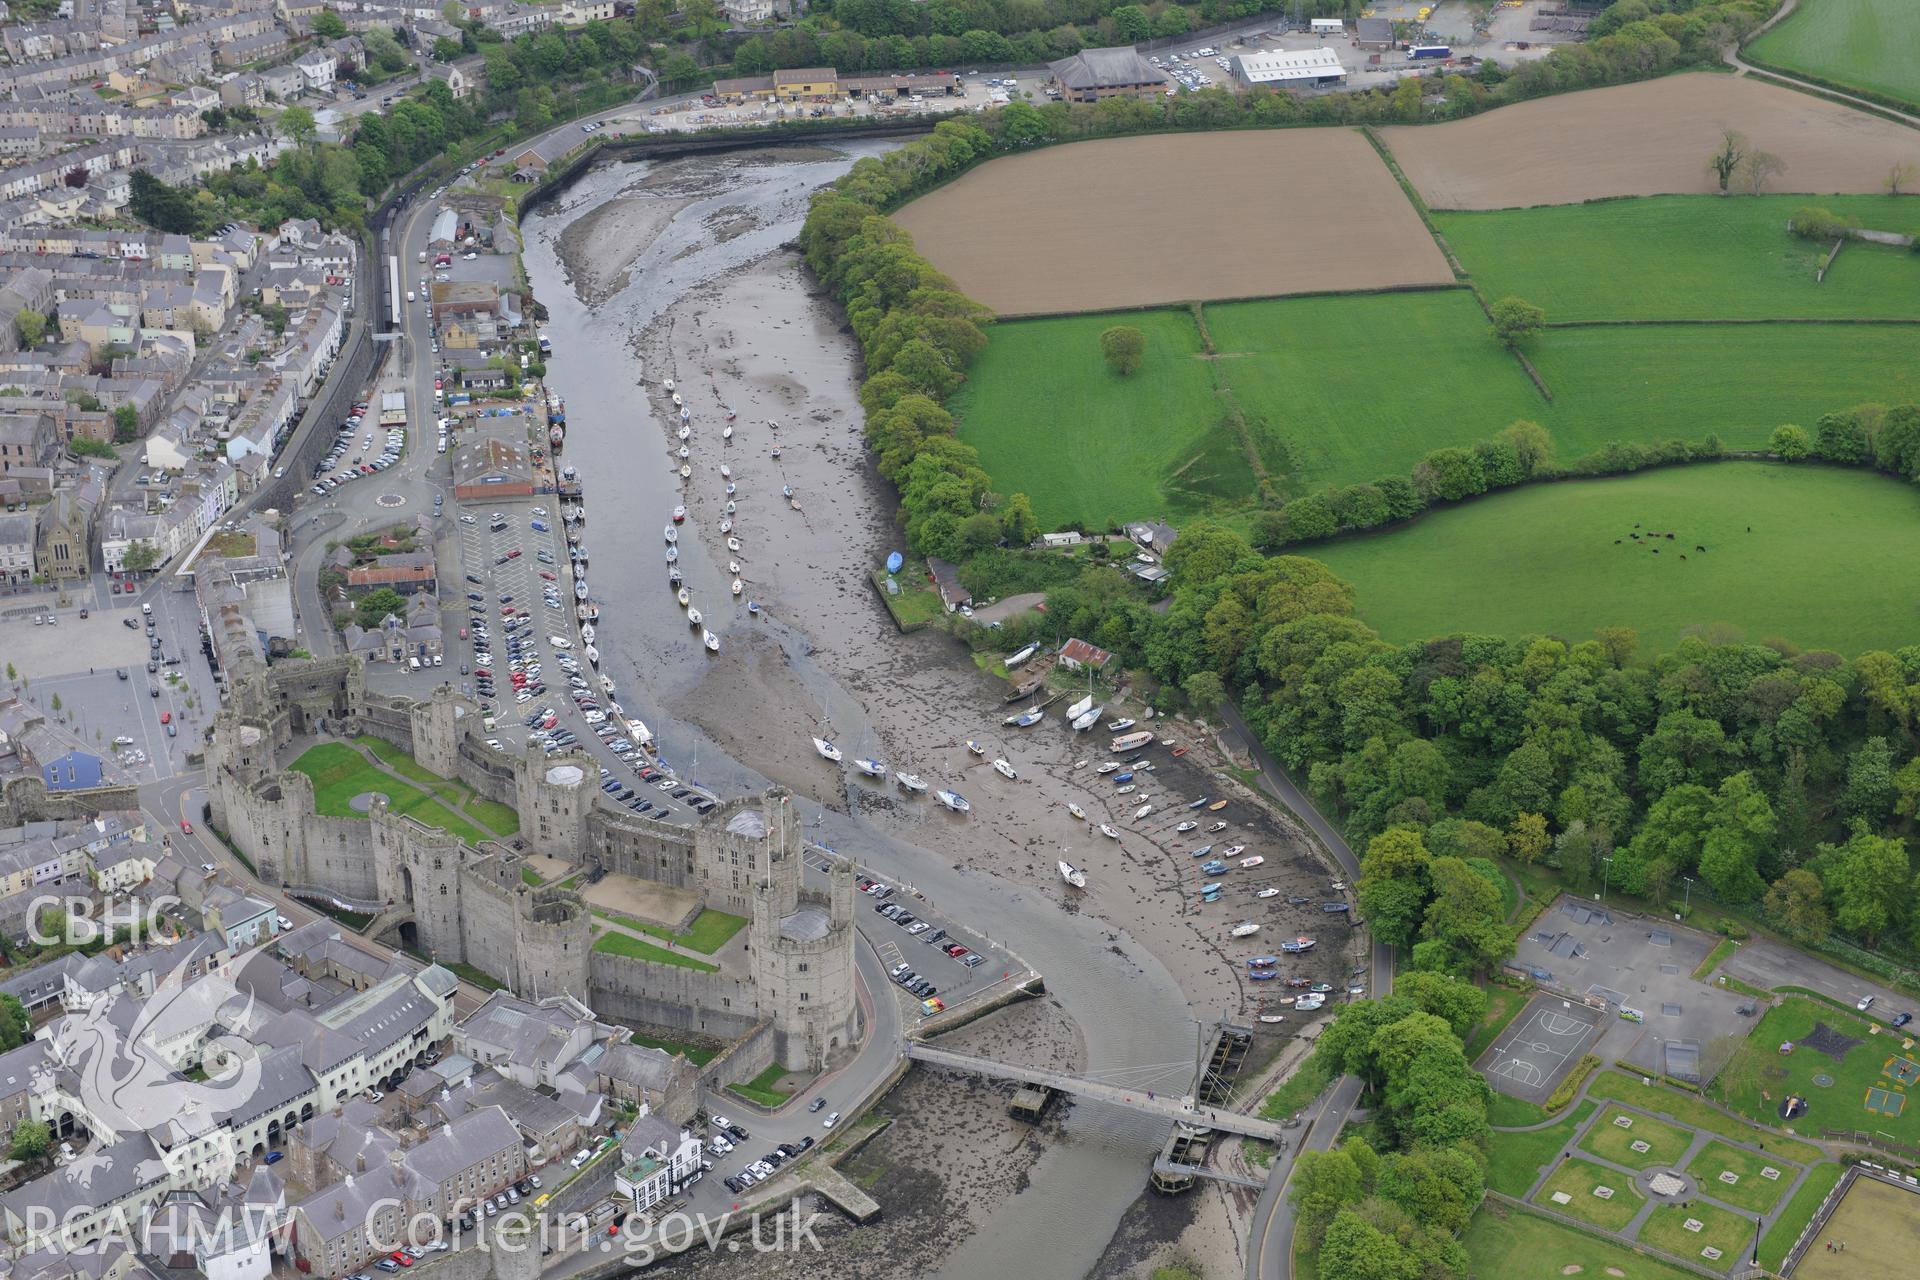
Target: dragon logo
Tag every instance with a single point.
(111, 1062)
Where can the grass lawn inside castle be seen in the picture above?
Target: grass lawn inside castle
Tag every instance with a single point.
(341, 775)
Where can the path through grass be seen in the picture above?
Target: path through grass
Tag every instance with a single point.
(1514, 1160)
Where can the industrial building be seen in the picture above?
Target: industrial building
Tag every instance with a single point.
(1290, 67)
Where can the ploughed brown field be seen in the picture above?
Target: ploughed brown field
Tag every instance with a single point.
(1129, 222)
(1650, 138)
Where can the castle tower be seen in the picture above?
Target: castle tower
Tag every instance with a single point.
(438, 726)
(802, 953)
(419, 866)
(553, 937)
(554, 797)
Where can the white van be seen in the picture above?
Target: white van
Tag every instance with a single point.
(409, 295)
(413, 664)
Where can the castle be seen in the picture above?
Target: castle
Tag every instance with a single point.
(793, 997)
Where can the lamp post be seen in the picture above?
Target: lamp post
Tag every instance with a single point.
(1688, 904)
(1606, 873)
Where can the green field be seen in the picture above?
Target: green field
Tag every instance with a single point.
(1688, 258)
(1512, 1244)
(1502, 565)
(1665, 1143)
(1868, 44)
(340, 773)
(1665, 1228)
(1793, 1219)
(1690, 1110)
(1514, 1160)
(1840, 1105)
(1340, 390)
(1752, 1192)
(1579, 1179)
(496, 817)
(1086, 445)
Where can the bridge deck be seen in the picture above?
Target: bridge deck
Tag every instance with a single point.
(1180, 1109)
(1164, 1165)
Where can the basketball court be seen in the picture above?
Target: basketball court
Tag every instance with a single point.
(1539, 1047)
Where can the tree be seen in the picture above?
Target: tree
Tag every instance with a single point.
(1467, 914)
(139, 557)
(1461, 1003)
(32, 1139)
(82, 447)
(1355, 1249)
(1531, 442)
(328, 25)
(1870, 787)
(1018, 521)
(1867, 880)
(296, 125)
(1789, 443)
(1796, 905)
(1727, 157)
(445, 50)
(1527, 837)
(1516, 321)
(126, 424)
(377, 604)
(30, 325)
(1205, 689)
(1123, 346)
(1325, 1182)
(1758, 169)
(16, 1027)
(1134, 22)
(1393, 883)
(1900, 175)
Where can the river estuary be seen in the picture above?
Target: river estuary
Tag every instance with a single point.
(678, 269)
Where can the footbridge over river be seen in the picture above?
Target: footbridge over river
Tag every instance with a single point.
(1184, 1110)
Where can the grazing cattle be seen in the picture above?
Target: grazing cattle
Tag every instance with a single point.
(1616, 542)
(1698, 547)
(1683, 555)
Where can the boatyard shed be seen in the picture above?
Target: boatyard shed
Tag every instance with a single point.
(491, 467)
(1075, 654)
(946, 580)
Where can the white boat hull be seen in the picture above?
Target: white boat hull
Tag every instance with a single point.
(1073, 875)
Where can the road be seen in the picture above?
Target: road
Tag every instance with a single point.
(1743, 67)
(1270, 1230)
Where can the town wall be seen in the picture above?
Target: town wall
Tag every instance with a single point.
(720, 1006)
(26, 799)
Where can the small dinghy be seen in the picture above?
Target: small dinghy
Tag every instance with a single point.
(726, 472)
(1244, 930)
(1216, 806)
(912, 782)
(1129, 789)
(679, 514)
(711, 640)
(1268, 893)
(1005, 769)
(683, 596)
(786, 491)
(1076, 811)
(673, 554)
(1142, 812)
(685, 431)
(954, 801)
(1247, 864)
(693, 617)
(726, 433)
(730, 488)
(733, 567)
(726, 526)
(1271, 1018)
(1072, 874)
(872, 768)
(686, 415)
(1185, 827)
(685, 453)
(673, 578)
(753, 607)
(676, 398)
(736, 587)
(975, 747)
(1108, 767)
(827, 750)
(1216, 827)
(1109, 832)
(673, 534)
(667, 383)
(593, 655)
(1120, 725)
(776, 451)
(685, 471)
(730, 508)
(733, 545)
